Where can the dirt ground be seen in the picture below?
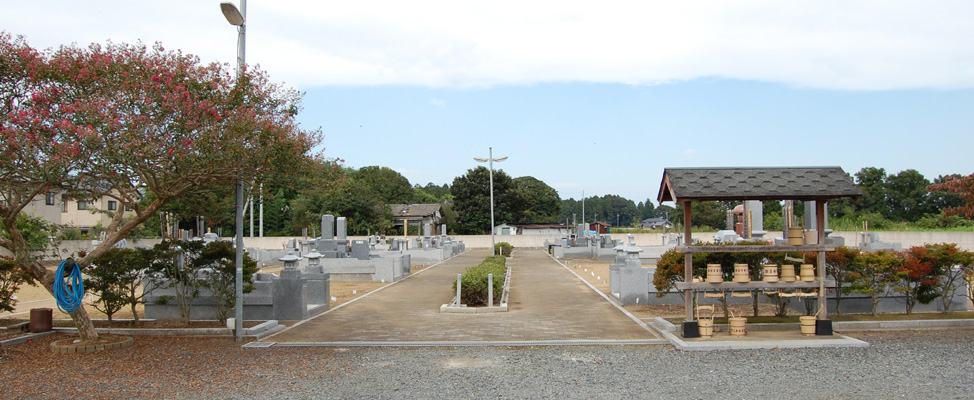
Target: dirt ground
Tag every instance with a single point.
(29, 297)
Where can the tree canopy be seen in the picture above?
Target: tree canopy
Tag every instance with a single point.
(125, 120)
(471, 196)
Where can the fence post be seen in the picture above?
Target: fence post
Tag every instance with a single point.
(490, 290)
(458, 289)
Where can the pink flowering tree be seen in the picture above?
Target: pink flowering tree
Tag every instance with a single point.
(125, 120)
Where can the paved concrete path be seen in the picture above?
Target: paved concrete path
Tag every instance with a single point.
(547, 303)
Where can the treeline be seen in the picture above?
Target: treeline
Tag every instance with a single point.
(902, 201)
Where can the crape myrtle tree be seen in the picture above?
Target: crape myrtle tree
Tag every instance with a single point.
(121, 120)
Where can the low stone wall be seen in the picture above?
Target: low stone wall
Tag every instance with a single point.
(964, 240)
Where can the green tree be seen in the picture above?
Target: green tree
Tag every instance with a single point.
(353, 199)
(708, 215)
(541, 202)
(471, 200)
(872, 182)
(907, 196)
(11, 278)
(387, 185)
(172, 267)
(872, 273)
(944, 257)
(217, 261)
(647, 209)
(116, 276)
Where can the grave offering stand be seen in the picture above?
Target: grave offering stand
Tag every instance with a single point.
(809, 184)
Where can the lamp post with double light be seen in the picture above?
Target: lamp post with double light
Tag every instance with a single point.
(490, 160)
(238, 18)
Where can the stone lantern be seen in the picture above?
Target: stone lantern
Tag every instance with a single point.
(314, 265)
(290, 266)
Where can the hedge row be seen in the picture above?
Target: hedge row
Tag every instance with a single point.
(503, 248)
(473, 283)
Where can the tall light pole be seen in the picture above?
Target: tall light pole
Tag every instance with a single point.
(490, 160)
(238, 18)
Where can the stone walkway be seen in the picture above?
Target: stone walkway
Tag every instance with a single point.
(547, 303)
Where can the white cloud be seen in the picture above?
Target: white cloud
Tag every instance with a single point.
(437, 102)
(689, 152)
(825, 44)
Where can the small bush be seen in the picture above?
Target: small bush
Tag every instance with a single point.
(503, 248)
(473, 283)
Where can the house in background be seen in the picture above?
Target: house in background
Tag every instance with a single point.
(655, 223)
(600, 228)
(505, 229)
(66, 212)
(418, 215)
(543, 229)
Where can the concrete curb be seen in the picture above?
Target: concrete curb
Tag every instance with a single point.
(25, 338)
(522, 343)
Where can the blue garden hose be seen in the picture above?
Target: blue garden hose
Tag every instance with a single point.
(68, 296)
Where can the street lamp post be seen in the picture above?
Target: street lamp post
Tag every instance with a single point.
(238, 18)
(490, 162)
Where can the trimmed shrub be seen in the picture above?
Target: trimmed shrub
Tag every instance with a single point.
(503, 248)
(473, 283)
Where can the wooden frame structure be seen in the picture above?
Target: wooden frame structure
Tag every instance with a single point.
(818, 184)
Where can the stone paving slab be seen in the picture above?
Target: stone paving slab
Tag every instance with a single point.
(547, 303)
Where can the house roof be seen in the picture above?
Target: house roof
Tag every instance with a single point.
(756, 183)
(541, 226)
(414, 210)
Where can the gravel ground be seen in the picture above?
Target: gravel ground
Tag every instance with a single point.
(932, 365)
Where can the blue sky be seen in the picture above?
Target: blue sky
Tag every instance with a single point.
(585, 97)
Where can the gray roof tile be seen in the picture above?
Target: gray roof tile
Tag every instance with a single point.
(756, 183)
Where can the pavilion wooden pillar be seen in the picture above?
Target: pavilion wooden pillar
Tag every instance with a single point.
(687, 262)
(820, 233)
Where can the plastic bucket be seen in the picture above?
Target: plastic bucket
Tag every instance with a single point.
(741, 273)
(706, 327)
(808, 273)
(770, 273)
(714, 273)
(808, 325)
(738, 326)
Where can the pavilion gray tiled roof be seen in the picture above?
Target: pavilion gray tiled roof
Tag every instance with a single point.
(756, 183)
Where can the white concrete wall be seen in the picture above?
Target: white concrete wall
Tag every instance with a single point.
(964, 240)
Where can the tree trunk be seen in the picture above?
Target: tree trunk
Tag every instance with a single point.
(135, 314)
(80, 317)
(755, 300)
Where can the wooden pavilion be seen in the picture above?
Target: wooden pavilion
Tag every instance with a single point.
(816, 184)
